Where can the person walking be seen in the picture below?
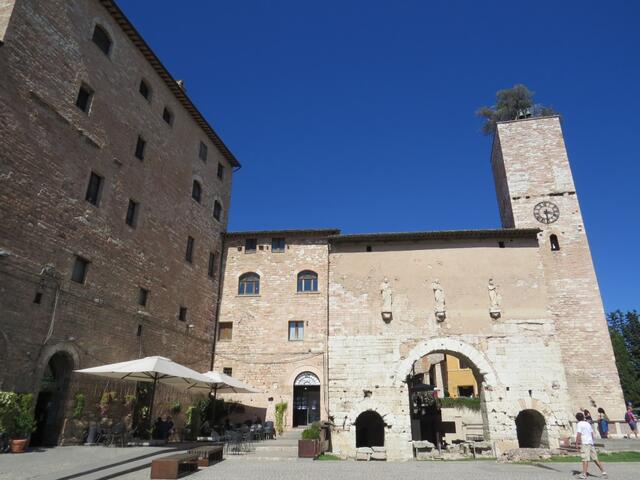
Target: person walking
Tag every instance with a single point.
(603, 423)
(584, 440)
(630, 418)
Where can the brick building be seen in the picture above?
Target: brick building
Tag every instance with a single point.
(114, 191)
(113, 195)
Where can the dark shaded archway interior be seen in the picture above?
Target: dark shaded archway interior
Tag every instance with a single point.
(51, 399)
(369, 430)
(530, 426)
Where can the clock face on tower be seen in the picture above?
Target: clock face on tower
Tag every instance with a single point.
(546, 212)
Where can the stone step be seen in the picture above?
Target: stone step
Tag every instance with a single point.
(276, 448)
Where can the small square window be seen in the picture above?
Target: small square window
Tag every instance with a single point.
(140, 146)
(212, 264)
(189, 253)
(84, 99)
(296, 331)
(250, 245)
(277, 245)
(80, 267)
(217, 210)
(220, 171)
(227, 370)
(167, 116)
(225, 331)
(145, 89)
(143, 297)
(182, 314)
(203, 152)
(94, 189)
(38, 298)
(132, 213)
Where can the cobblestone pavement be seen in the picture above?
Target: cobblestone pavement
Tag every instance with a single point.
(351, 470)
(52, 464)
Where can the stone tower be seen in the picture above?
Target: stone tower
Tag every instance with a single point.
(535, 189)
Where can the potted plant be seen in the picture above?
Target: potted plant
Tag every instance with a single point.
(309, 444)
(17, 418)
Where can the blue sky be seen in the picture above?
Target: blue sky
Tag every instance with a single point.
(360, 114)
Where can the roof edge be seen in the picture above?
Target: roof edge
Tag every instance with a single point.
(327, 232)
(139, 42)
(443, 234)
(543, 117)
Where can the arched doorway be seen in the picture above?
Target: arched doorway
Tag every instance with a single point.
(532, 430)
(306, 399)
(445, 395)
(369, 430)
(51, 399)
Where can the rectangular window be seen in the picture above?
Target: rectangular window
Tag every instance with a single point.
(167, 116)
(143, 297)
(212, 264)
(203, 152)
(250, 245)
(225, 331)
(189, 255)
(296, 331)
(227, 370)
(217, 210)
(220, 171)
(80, 267)
(277, 245)
(465, 391)
(38, 297)
(463, 364)
(144, 89)
(182, 314)
(85, 96)
(132, 213)
(94, 189)
(140, 148)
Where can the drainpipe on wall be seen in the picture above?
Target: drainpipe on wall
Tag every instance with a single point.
(218, 301)
(326, 343)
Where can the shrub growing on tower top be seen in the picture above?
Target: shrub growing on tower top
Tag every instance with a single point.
(511, 104)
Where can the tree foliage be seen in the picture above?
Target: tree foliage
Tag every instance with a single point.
(511, 104)
(624, 328)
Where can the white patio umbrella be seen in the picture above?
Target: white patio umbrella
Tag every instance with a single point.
(222, 383)
(153, 370)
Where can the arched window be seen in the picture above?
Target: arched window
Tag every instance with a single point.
(196, 191)
(101, 39)
(555, 244)
(249, 284)
(307, 281)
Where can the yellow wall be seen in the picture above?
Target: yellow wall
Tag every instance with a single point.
(457, 376)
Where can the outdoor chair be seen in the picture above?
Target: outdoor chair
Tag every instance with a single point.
(116, 437)
(268, 430)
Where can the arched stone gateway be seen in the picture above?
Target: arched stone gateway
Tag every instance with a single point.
(532, 430)
(369, 430)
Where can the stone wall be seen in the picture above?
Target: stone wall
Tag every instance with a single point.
(49, 148)
(516, 355)
(533, 157)
(260, 352)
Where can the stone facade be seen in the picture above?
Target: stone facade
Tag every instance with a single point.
(260, 351)
(48, 149)
(373, 305)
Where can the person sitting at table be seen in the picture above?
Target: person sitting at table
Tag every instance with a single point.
(158, 429)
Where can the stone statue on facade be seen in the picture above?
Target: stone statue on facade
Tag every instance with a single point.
(494, 299)
(387, 300)
(438, 294)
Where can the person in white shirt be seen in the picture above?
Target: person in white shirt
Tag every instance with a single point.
(584, 440)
